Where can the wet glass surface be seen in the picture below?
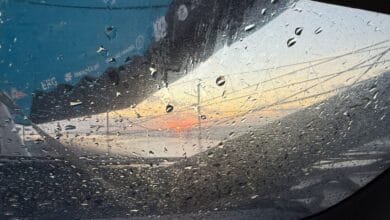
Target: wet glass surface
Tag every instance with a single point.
(189, 109)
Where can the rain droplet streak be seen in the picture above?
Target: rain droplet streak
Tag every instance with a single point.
(169, 108)
(75, 103)
(220, 81)
(70, 127)
(318, 30)
(291, 42)
(249, 27)
(298, 31)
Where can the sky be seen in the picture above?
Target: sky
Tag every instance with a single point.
(265, 77)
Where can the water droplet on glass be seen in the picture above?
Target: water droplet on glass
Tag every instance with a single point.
(273, 1)
(153, 71)
(263, 11)
(182, 13)
(169, 108)
(291, 42)
(75, 103)
(110, 32)
(220, 81)
(203, 117)
(8, 213)
(70, 127)
(375, 95)
(128, 59)
(318, 30)
(250, 27)
(298, 9)
(111, 60)
(101, 49)
(298, 31)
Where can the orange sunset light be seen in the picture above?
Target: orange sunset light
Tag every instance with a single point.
(177, 123)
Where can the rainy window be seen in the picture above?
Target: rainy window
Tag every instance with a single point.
(178, 108)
